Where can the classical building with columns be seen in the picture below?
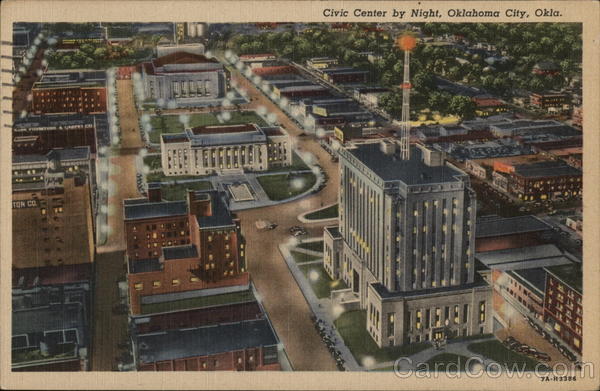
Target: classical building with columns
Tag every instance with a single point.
(185, 77)
(405, 245)
(207, 150)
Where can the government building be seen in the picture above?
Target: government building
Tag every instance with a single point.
(207, 150)
(405, 245)
(184, 77)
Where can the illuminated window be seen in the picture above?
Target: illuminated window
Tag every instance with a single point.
(155, 284)
(138, 286)
(194, 279)
(176, 281)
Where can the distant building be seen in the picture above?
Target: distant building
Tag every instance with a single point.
(347, 133)
(181, 246)
(36, 168)
(545, 180)
(476, 169)
(370, 95)
(70, 93)
(321, 62)
(51, 309)
(489, 106)
(575, 222)
(52, 221)
(190, 48)
(185, 77)
(563, 307)
(209, 149)
(549, 99)
(39, 134)
(494, 233)
(258, 60)
(277, 71)
(249, 345)
(546, 68)
(344, 75)
(577, 116)
(407, 238)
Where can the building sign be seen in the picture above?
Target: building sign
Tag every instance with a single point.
(22, 204)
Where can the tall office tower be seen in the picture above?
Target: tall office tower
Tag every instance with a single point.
(405, 244)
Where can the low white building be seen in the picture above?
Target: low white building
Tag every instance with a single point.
(208, 150)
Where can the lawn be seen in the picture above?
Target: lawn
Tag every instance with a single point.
(301, 257)
(153, 161)
(441, 361)
(172, 124)
(322, 284)
(281, 186)
(326, 213)
(494, 350)
(179, 191)
(312, 246)
(199, 302)
(352, 327)
(297, 165)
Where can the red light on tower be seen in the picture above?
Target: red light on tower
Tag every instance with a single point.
(406, 42)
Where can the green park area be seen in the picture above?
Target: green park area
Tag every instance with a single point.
(312, 246)
(352, 326)
(175, 192)
(320, 282)
(303, 258)
(297, 165)
(153, 162)
(281, 186)
(494, 350)
(172, 123)
(329, 212)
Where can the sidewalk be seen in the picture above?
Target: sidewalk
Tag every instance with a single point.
(321, 308)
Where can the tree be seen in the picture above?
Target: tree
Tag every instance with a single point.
(99, 53)
(87, 48)
(439, 101)
(392, 103)
(462, 106)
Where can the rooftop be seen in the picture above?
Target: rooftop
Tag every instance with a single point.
(221, 215)
(49, 120)
(144, 265)
(384, 293)
(535, 277)
(411, 172)
(180, 252)
(67, 79)
(491, 226)
(204, 341)
(51, 275)
(220, 135)
(138, 209)
(546, 169)
(571, 274)
(182, 58)
(524, 257)
(186, 303)
(52, 317)
(334, 232)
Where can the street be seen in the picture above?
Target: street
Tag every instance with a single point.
(110, 329)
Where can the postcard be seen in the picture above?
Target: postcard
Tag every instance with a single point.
(299, 195)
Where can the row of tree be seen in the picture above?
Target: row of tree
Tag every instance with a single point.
(97, 56)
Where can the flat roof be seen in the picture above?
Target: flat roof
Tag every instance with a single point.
(498, 226)
(385, 294)
(411, 172)
(139, 209)
(524, 257)
(51, 275)
(204, 341)
(144, 265)
(53, 317)
(180, 301)
(571, 274)
(334, 232)
(535, 277)
(180, 252)
(546, 169)
(219, 135)
(221, 215)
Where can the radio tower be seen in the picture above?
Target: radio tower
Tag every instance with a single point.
(407, 43)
